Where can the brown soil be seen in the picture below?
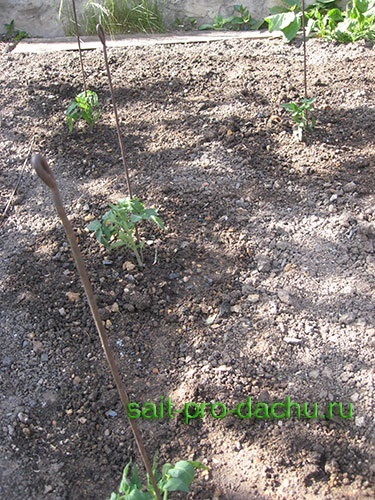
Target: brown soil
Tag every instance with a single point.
(273, 236)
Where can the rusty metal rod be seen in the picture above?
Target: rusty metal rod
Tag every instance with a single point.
(79, 45)
(45, 173)
(304, 48)
(101, 36)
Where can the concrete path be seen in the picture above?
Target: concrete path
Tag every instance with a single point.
(38, 45)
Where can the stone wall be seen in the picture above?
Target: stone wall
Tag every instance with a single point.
(40, 18)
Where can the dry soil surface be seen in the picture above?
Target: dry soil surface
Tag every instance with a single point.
(262, 284)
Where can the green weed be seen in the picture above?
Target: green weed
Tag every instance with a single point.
(186, 23)
(357, 23)
(122, 16)
(11, 34)
(325, 19)
(241, 20)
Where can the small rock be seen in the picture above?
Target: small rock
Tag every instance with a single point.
(128, 266)
(292, 340)
(62, 311)
(347, 318)
(253, 298)
(44, 357)
(115, 307)
(26, 431)
(88, 218)
(284, 296)
(333, 198)
(107, 262)
(23, 417)
(264, 396)
(263, 263)
(82, 420)
(354, 397)
(331, 467)
(111, 413)
(173, 276)
(72, 296)
(359, 421)
(37, 346)
(314, 374)
(7, 361)
(349, 187)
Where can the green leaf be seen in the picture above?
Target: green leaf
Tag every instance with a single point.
(135, 218)
(289, 106)
(198, 465)
(279, 22)
(292, 29)
(335, 15)
(203, 27)
(180, 477)
(277, 10)
(175, 484)
(166, 467)
(124, 485)
(136, 494)
(157, 221)
(94, 225)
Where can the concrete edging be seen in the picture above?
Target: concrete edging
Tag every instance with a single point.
(38, 45)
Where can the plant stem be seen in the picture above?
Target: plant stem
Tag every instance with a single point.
(79, 46)
(45, 173)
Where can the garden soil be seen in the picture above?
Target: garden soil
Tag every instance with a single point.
(261, 286)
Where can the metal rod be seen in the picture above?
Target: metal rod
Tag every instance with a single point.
(45, 173)
(79, 46)
(101, 36)
(304, 48)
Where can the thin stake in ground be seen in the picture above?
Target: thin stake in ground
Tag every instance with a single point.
(45, 173)
(101, 36)
(79, 45)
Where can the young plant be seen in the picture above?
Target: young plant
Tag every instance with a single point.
(176, 477)
(286, 19)
(301, 116)
(323, 17)
(186, 23)
(241, 20)
(358, 22)
(85, 106)
(289, 18)
(12, 34)
(118, 226)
